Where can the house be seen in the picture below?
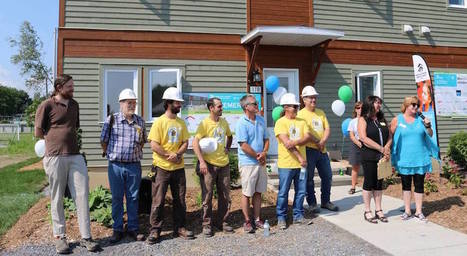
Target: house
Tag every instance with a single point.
(217, 46)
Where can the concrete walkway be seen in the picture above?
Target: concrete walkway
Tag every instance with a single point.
(411, 237)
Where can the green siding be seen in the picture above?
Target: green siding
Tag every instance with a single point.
(199, 76)
(203, 16)
(382, 21)
(397, 83)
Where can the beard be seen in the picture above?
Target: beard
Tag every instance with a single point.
(175, 110)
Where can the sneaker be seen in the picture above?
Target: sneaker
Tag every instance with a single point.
(116, 236)
(311, 208)
(248, 228)
(207, 231)
(185, 233)
(282, 224)
(298, 221)
(61, 246)
(153, 238)
(406, 216)
(330, 206)
(421, 217)
(227, 228)
(259, 224)
(90, 244)
(135, 235)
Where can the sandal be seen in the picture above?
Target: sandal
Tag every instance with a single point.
(381, 218)
(352, 191)
(371, 220)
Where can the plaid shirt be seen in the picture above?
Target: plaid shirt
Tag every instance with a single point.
(126, 139)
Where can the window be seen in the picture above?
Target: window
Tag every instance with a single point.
(368, 84)
(159, 80)
(457, 3)
(115, 80)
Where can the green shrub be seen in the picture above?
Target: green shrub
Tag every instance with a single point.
(430, 186)
(233, 164)
(451, 172)
(457, 149)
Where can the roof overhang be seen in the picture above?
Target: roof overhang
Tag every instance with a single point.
(291, 35)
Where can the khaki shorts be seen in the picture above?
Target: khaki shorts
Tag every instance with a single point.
(254, 179)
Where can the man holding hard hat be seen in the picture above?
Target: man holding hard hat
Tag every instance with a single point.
(169, 141)
(213, 168)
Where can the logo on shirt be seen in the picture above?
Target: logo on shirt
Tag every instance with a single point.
(317, 125)
(294, 132)
(173, 134)
(219, 135)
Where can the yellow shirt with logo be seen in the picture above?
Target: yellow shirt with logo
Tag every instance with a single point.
(294, 129)
(317, 122)
(170, 134)
(218, 130)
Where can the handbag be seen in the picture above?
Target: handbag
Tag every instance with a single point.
(384, 168)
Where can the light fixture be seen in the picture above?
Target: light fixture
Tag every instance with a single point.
(256, 76)
(424, 30)
(407, 28)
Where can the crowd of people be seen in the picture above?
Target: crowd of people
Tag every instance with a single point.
(302, 137)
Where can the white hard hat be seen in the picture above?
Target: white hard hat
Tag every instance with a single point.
(172, 93)
(127, 94)
(289, 99)
(208, 145)
(309, 91)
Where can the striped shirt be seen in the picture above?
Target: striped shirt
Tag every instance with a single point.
(126, 138)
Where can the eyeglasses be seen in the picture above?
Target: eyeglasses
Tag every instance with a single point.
(415, 105)
(253, 103)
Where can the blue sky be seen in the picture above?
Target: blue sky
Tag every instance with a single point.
(43, 15)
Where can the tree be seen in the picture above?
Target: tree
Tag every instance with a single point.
(31, 110)
(13, 101)
(29, 57)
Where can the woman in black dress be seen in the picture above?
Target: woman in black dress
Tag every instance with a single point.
(373, 131)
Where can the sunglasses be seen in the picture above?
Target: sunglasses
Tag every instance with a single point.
(415, 105)
(358, 108)
(253, 103)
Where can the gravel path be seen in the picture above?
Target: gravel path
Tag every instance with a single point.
(320, 238)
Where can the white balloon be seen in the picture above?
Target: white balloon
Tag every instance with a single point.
(278, 93)
(40, 148)
(208, 145)
(338, 107)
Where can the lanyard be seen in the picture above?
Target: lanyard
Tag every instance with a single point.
(380, 134)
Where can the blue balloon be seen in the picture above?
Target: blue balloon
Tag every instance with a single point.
(345, 126)
(272, 83)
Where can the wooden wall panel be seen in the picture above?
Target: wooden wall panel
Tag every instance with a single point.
(279, 13)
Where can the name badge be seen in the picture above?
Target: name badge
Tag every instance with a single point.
(403, 125)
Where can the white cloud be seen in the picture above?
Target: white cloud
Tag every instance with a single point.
(7, 79)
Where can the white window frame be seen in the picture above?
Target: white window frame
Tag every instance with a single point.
(458, 5)
(150, 76)
(135, 86)
(378, 83)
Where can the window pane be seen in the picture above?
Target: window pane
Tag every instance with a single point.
(456, 2)
(284, 82)
(116, 82)
(160, 80)
(367, 86)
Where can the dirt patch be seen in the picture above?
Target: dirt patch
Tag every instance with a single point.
(6, 160)
(31, 167)
(35, 227)
(447, 207)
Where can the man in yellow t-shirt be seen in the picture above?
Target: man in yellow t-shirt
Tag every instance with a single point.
(316, 154)
(213, 168)
(292, 133)
(169, 140)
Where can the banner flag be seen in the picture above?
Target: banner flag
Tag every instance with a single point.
(425, 93)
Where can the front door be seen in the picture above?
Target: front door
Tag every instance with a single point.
(288, 79)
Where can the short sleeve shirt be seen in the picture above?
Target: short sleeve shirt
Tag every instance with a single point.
(294, 129)
(59, 123)
(252, 133)
(170, 134)
(353, 127)
(218, 130)
(317, 122)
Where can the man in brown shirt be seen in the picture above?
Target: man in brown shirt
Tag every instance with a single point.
(57, 121)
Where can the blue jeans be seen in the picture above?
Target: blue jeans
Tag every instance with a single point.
(285, 180)
(124, 179)
(317, 159)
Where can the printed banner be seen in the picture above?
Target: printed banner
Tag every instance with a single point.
(451, 94)
(195, 110)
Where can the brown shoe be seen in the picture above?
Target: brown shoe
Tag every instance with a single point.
(116, 236)
(153, 238)
(135, 235)
(185, 233)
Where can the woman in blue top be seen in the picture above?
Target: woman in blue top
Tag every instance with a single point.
(411, 152)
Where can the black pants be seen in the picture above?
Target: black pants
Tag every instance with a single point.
(418, 181)
(370, 181)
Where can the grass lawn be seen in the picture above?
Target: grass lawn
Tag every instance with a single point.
(25, 145)
(18, 191)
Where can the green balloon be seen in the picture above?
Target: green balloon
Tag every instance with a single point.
(276, 113)
(345, 93)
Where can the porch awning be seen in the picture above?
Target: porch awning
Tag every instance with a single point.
(291, 35)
